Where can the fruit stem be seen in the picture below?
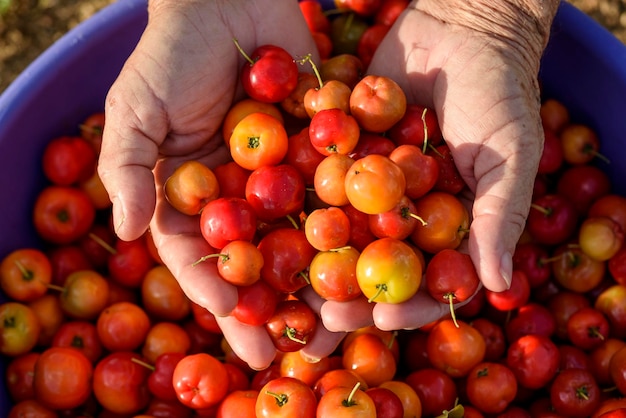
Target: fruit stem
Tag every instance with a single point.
(293, 222)
(599, 155)
(242, 52)
(309, 58)
(90, 129)
(450, 298)
(103, 243)
(392, 339)
(425, 131)
(206, 257)
(545, 211)
(419, 218)
(26, 273)
(380, 288)
(291, 334)
(305, 276)
(336, 250)
(56, 287)
(281, 398)
(435, 150)
(143, 363)
(350, 400)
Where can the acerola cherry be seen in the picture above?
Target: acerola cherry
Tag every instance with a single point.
(275, 191)
(388, 270)
(451, 277)
(374, 184)
(228, 219)
(270, 73)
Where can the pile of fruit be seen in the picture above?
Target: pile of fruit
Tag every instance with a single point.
(338, 185)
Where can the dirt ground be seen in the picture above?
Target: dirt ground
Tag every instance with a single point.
(28, 27)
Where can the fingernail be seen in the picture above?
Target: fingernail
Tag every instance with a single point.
(118, 214)
(506, 268)
(310, 359)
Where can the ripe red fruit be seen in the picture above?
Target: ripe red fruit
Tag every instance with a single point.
(68, 160)
(291, 325)
(227, 219)
(512, 298)
(552, 219)
(534, 359)
(270, 74)
(451, 277)
(275, 191)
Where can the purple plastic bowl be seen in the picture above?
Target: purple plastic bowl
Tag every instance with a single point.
(584, 66)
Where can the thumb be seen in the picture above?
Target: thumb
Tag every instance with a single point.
(125, 165)
(503, 192)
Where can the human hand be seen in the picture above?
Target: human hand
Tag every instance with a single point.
(166, 107)
(476, 65)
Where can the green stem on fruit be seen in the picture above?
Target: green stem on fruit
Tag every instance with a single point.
(463, 230)
(594, 332)
(26, 273)
(450, 298)
(209, 256)
(254, 142)
(308, 58)
(582, 393)
(551, 259)
(609, 389)
(56, 287)
(90, 129)
(457, 412)
(293, 222)
(592, 151)
(103, 243)
(281, 398)
(392, 339)
(242, 52)
(143, 363)
(380, 288)
(435, 150)
(77, 342)
(290, 333)
(305, 276)
(350, 400)
(545, 211)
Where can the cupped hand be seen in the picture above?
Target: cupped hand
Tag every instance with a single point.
(166, 107)
(485, 93)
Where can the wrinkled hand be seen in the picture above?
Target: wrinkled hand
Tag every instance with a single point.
(485, 94)
(166, 107)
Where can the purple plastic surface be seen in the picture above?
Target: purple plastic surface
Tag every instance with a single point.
(584, 66)
(55, 93)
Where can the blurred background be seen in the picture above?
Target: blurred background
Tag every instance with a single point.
(28, 27)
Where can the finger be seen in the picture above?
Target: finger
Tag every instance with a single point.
(201, 282)
(181, 245)
(322, 343)
(125, 165)
(418, 311)
(251, 344)
(347, 316)
(505, 172)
